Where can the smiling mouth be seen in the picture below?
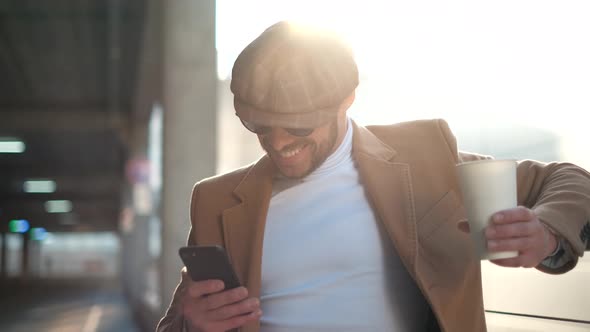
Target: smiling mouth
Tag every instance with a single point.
(291, 152)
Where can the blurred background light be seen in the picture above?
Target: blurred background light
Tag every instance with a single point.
(39, 186)
(38, 233)
(18, 226)
(11, 146)
(58, 206)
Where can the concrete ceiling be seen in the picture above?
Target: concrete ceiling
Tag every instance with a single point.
(68, 72)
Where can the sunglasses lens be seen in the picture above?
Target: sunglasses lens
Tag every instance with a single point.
(262, 130)
(257, 129)
(301, 132)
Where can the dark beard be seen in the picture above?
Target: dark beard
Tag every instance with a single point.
(317, 159)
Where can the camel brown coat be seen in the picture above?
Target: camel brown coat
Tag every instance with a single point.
(408, 171)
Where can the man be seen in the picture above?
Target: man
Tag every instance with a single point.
(341, 227)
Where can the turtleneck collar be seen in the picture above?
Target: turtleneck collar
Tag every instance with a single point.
(340, 156)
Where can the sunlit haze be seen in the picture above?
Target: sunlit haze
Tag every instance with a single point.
(470, 62)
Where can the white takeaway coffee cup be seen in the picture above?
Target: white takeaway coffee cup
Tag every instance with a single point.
(488, 186)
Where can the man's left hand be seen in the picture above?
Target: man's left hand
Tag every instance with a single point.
(519, 229)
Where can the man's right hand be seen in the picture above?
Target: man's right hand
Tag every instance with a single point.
(209, 308)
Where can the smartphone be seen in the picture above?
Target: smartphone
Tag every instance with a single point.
(209, 262)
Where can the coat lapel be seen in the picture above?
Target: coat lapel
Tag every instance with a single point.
(243, 224)
(389, 189)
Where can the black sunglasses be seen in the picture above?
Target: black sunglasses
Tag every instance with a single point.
(263, 130)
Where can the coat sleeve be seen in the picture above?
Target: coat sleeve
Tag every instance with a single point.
(173, 320)
(558, 193)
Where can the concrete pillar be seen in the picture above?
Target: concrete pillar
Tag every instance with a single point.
(3, 255)
(34, 258)
(25, 256)
(189, 80)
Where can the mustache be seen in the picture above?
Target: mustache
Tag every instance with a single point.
(268, 148)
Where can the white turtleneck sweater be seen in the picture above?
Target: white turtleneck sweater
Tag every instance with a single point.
(327, 264)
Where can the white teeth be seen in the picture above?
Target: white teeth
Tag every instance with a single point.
(288, 154)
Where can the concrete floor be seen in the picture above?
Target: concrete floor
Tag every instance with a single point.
(64, 306)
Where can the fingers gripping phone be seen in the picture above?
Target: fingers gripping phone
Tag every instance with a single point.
(209, 262)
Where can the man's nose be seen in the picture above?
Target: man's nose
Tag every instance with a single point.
(279, 138)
